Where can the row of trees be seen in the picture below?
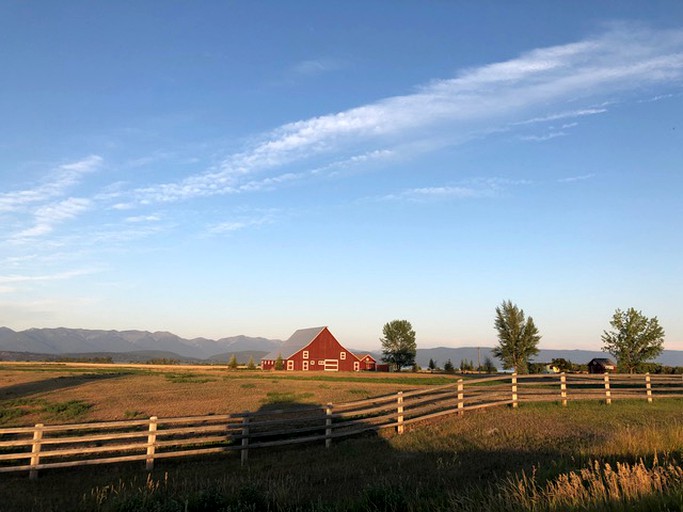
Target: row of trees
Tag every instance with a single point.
(634, 340)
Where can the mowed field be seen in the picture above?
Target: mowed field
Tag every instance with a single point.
(66, 392)
(541, 456)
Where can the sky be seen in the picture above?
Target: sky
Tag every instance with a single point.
(220, 168)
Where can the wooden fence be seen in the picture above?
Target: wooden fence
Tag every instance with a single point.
(60, 446)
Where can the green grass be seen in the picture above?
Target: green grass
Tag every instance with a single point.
(131, 415)
(188, 378)
(277, 397)
(56, 411)
(626, 456)
(362, 392)
(70, 410)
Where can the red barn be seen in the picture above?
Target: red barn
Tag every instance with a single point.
(368, 363)
(313, 349)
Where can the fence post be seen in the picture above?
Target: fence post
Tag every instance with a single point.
(514, 389)
(399, 401)
(648, 387)
(328, 425)
(151, 443)
(35, 451)
(608, 393)
(461, 397)
(244, 455)
(563, 388)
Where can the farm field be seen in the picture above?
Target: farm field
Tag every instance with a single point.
(67, 392)
(588, 456)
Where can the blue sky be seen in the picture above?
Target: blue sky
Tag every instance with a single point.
(223, 168)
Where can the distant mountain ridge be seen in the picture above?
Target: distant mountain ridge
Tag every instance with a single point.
(72, 342)
(62, 340)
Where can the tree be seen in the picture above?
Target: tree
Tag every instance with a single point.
(517, 337)
(448, 367)
(432, 364)
(635, 339)
(488, 365)
(279, 363)
(398, 344)
(251, 365)
(232, 364)
(562, 364)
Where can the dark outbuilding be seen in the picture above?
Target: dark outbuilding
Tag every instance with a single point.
(601, 365)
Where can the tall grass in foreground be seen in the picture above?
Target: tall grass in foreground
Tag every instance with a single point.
(601, 486)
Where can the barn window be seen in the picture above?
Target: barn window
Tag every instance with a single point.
(305, 354)
(312, 363)
(356, 366)
(290, 364)
(342, 356)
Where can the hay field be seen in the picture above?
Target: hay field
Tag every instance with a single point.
(73, 392)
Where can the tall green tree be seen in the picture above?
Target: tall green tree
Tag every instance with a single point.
(398, 344)
(279, 363)
(635, 339)
(488, 365)
(232, 364)
(517, 337)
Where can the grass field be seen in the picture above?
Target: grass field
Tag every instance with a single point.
(34, 393)
(588, 456)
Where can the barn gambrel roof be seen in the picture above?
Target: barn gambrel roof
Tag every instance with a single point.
(296, 342)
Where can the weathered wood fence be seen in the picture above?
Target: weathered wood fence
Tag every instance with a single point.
(60, 446)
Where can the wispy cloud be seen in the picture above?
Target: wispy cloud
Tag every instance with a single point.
(573, 179)
(59, 180)
(519, 91)
(48, 216)
(541, 138)
(314, 67)
(239, 224)
(59, 276)
(470, 189)
(143, 218)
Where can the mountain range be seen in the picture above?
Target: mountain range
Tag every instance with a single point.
(133, 345)
(62, 340)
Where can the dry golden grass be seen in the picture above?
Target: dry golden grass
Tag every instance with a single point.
(598, 484)
(123, 392)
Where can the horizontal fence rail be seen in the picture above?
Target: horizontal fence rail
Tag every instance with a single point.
(61, 446)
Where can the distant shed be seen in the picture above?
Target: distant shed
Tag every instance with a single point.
(368, 363)
(601, 365)
(313, 349)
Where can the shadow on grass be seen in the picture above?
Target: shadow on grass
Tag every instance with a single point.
(53, 384)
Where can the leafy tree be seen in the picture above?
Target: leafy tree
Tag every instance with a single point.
(232, 364)
(517, 337)
(398, 344)
(448, 367)
(562, 364)
(635, 339)
(466, 366)
(488, 366)
(251, 365)
(432, 364)
(279, 363)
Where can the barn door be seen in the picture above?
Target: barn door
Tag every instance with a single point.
(331, 365)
